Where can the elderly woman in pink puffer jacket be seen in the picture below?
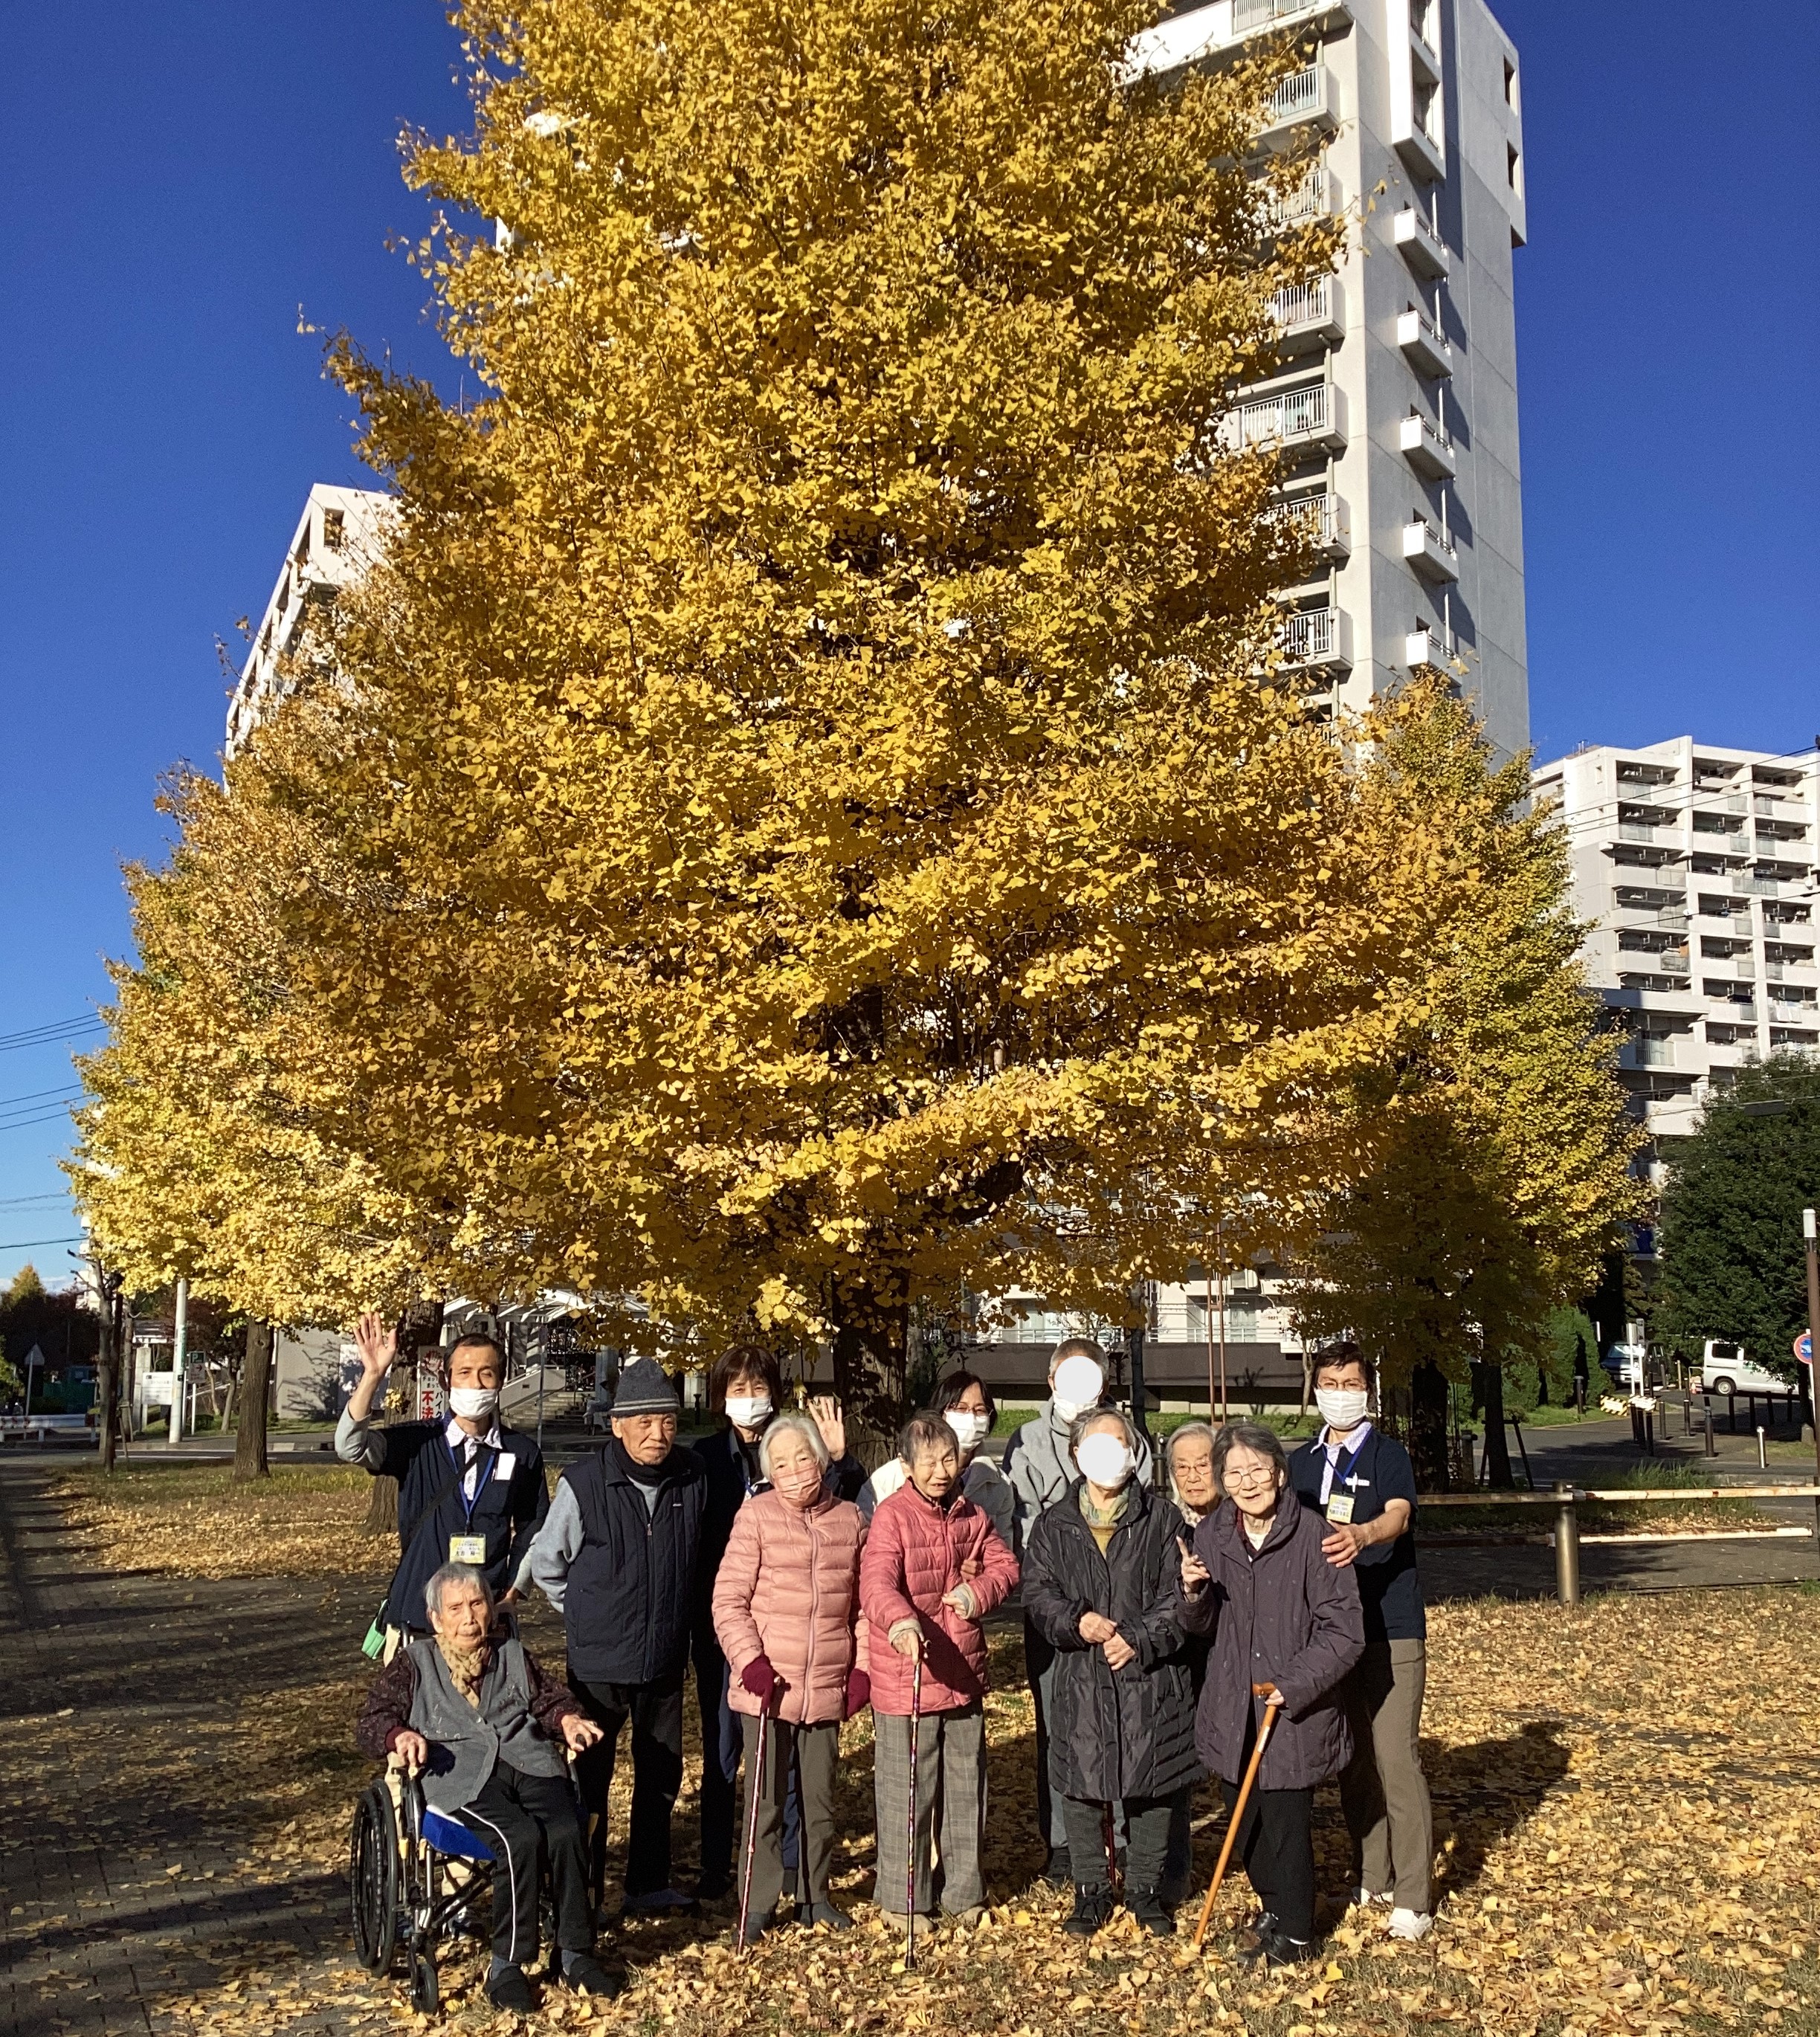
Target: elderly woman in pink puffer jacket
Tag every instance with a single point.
(786, 1606)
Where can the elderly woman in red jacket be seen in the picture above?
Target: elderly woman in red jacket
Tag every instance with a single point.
(933, 1568)
(1286, 1627)
(786, 1614)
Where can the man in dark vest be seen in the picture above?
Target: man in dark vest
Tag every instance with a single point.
(469, 1490)
(617, 1557)
(474, 1712)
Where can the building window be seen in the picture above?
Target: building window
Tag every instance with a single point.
(1513, 168)
(1510, 84)
(331, 530)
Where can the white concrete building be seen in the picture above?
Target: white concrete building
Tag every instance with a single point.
(1395, 404)
(337, 539)
(1697, 866)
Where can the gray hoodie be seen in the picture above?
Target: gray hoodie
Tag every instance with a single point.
(1040, 1469)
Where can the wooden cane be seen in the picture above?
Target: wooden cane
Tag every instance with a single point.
(754, 1783)
(1270, 1712)
(915, 1734)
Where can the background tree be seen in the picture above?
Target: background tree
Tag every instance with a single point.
(1505, 1176)
(61, 1324)
(1729, 1244)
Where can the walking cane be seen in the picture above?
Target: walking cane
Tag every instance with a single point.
(1270, 1712)
(915, 1735)
(754, 1783)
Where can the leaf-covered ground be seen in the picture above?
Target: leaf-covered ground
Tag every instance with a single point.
(1628, 1804)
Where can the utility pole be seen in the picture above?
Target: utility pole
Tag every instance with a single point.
(179, 1358)
(1812, 1243)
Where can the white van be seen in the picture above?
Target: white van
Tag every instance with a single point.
(1726, 1369)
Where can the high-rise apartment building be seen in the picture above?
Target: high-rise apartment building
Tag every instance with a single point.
(1395, 403)
(1695, 865)
(337, 539)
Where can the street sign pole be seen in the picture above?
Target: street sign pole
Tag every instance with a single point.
(1812, 1243)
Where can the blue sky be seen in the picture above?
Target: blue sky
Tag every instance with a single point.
(176, 193)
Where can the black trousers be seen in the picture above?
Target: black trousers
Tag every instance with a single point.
(1276, 1843)
(531, 1822)
(656, 1713)
(1147, 1822)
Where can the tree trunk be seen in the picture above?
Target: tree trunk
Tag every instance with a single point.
(870, 1368)
(249, 1459)
(1497, 1444)
(108, 1378)
(1429, 1426)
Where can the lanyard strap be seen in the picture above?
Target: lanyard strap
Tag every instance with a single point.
(484, 1461)
(1335, 1471)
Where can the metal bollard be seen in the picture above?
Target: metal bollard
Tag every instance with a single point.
(1566, 1547)
(1762, 1457)
(1712, 1443)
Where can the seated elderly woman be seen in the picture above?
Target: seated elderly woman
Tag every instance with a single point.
(471, 1710)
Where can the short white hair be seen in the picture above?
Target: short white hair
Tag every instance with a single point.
(455, 1573)
(792, 1425)
(1204, 1430)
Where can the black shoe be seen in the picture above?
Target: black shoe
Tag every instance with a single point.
(824, 1912)
(1264, 1929)
(1151, 1911)
(1092, 1911)
(1274, 1950)
(756, 1927)
(509, 1988)
(584, 1973)
(1060, 1869)
(713, 1888)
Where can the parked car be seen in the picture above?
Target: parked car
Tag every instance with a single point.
(1625, 1363)
(1725, 1368)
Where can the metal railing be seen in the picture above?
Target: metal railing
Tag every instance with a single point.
(1755, 887)
(1249, 16)
(1635, 831)
(1303, 304)
(1432, 430)
(1301, 93)
(1647, 1051)
(1309, 636)
(1312, 199)
(1318, 521)
(1442, 541)
(1277, 419)
(1436, 338)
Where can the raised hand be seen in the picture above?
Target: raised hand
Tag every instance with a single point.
(1195, 1572)
(828, 1417)
(377, 1345)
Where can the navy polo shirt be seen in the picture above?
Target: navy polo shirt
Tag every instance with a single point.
(1389, 1589)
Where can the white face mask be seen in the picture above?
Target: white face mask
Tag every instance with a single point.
(747, 1410)
(1078, 1384)
(968, 1429)
(473, 1403)
(1343, 1408)
(1103, 1458)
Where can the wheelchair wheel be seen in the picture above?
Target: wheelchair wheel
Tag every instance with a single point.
(374, 1881)
(423, 1983)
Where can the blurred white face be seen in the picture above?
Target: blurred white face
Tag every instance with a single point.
(795, 1471)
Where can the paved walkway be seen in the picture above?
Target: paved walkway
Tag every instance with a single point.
(128, 1881)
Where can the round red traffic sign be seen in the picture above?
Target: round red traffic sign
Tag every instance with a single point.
(1804, 1347)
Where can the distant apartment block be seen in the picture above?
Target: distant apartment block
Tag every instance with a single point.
(337, 539)
(1697, 866)
(1395, 401)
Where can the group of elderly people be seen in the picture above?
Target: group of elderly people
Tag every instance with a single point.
(1159, 1627)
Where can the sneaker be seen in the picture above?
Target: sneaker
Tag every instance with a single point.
(586, 1976)
(1149, 1909)
(509, 1988)
(824, 1912)
(662, 1903)
(1092, 1911)
(1060, 1869)
(1410, 1924)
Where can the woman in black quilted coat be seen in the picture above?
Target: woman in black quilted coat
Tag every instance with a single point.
(1100, 1583)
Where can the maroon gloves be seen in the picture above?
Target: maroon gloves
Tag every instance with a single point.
(760, 1678)
(859, 1692)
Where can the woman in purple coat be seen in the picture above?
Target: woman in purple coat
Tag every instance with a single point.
(1282, 1618)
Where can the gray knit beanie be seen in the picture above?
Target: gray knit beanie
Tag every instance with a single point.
(644, 1389)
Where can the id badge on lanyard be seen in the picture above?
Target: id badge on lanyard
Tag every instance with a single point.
(1340, 1505)
(471, 1548)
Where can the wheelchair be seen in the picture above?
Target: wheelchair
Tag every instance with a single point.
(400, 1853)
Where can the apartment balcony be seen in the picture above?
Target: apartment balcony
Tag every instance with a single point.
(1316, 640)
(1425, 347)
(1422, 246)
(1306, 102)
(1318, 196)
(1320, 522)
(1419, 147)
(1430, 552)
(1796, 973)
(1309, 315)
(1303, 419)
(1258, 17)
(1648, 1050)
(1426, 446)
(1427, 650)
(1748, 885)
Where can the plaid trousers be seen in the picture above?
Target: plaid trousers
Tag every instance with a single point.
(950, 1777)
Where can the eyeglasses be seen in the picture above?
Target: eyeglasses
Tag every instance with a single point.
(1266, 1476)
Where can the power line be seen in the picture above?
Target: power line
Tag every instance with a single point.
(46, 1036)
(36, 1095)
(19, 1202)
(25, 1243)
(42, 1118)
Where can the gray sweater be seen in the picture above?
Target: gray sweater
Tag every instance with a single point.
(1040, 1469)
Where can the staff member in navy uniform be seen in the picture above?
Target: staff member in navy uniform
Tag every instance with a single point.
(469, 1490)
(1363, 1485)
(618, 1558)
